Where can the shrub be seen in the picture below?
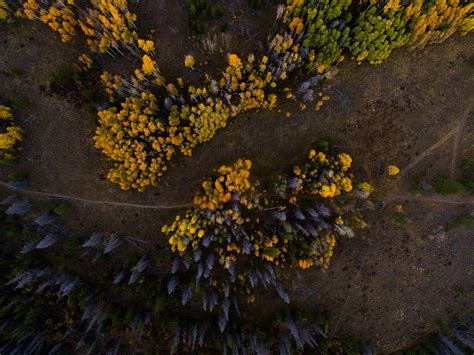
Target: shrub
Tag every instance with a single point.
(400, 218)
(446, 186)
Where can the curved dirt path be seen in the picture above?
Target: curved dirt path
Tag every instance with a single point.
(456, 131)
(388, 199)
(457, 139)
(91, 202)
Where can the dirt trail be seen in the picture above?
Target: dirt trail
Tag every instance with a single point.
(456, 131)
(91, 202)
(454, 200)
(457, 139)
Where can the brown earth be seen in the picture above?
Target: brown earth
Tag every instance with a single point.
(392, 282)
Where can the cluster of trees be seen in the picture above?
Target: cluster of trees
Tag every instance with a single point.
(47, 307)
(50, 305)
(184, 116)
(238, 237)
(152, 120)
(10, 134)
(313, 36)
